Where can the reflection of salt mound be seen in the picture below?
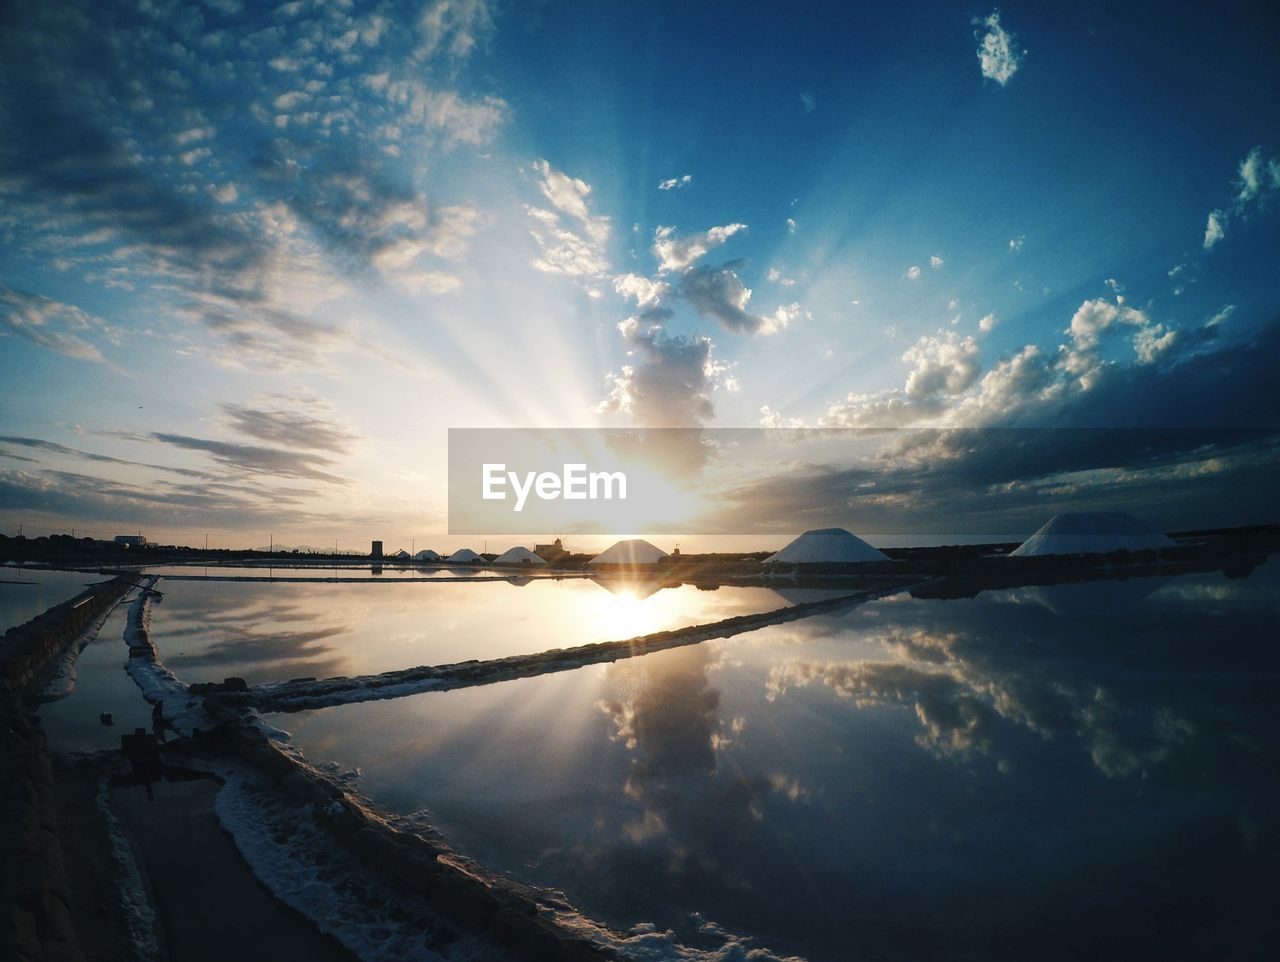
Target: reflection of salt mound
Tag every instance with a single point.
(1092, 532)
(426, 554)
(518, 556)
(465, 556)
(1088, 599)
(803, 596)
(826, 546)
(630, 554)
(630, 587)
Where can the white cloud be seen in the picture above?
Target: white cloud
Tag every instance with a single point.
(564, 251)
(646, 293)
(676, 182)
(913, 273)
(191, 136)
(781, 318)
(461, 121)
(770, 418)
(1095, 318)
(569, 196)
(808, 103)
(1256, 178)
(935, 262)
(888, 409)
(1015, 244)
(289, 100)
(987, 324)
(1214, 230)
(455, 27)
(775, 277)
(1220, 316)
(1010, 384)
(1150, 343)
(676, 253)
(945, 364)
(791, 225)
(406, 230)
(997, 53)
(48, 323)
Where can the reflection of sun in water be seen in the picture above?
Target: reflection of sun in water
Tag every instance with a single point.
(623, 612)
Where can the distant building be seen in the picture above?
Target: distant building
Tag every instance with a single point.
(551, 553)
(130, 540)
(377, 549)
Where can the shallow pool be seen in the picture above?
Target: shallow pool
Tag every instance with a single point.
(26, 592)
(272, 632)
(74, 723)
(1087, 771)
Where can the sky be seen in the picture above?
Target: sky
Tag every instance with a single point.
(257, 260)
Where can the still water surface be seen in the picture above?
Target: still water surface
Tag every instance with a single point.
(374, 573)
(75, 723)
(26, 592)
(206, 631)
(1086, 771)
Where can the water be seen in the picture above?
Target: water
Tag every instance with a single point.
(206, 631)
(303, 572)
(26, 592)
(1086, 771)
(73, 724)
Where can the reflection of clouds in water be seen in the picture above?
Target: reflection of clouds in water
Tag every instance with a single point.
(957, 721)
(1088, 599)
(666, 717)
(1117, 752)
(1254, 590)
(236, 645)
(962, 692)
(242, 632)
(788, 787)
(669, 721)
(723, 740)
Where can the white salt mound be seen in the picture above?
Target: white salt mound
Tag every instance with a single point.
(426, 554)
(630, 553)
(518, 556)
(826, 546)
(1092, 532)
(465, 556)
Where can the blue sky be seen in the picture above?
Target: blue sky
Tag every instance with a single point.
(255, 261)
